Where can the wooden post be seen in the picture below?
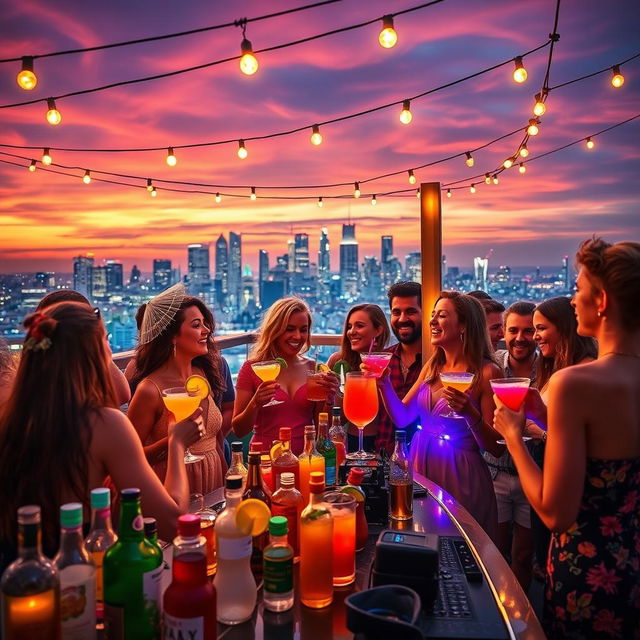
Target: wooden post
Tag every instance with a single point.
(431, 254)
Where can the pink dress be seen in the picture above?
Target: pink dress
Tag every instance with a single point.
(295, 412)
(445, 451)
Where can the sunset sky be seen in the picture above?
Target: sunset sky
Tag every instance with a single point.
(530, 219)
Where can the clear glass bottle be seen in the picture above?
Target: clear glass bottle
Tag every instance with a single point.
(400, 480)
(287, 501)
(101, 537)
(277, 590)
(310, 460)
(338, 436)
(30, 586)
(234, 583)
(237, 466)
(77, 577)
(327, 449)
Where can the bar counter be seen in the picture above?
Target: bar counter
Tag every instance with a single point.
(436, 512)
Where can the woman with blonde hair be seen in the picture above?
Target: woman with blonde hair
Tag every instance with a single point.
(446, 449)
(285, 334)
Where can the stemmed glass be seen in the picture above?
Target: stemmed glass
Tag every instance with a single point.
(360, 406)
(512, 392)
(460, 380)
(267, 370)
(376, 361)
(182, 403)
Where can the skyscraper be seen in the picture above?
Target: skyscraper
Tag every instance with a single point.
(301, 242)
(413, 266)
(324, 254)
(263, 273)
(99, 283)
(349, 260)
(198, 268)
(161, 274)
(135, 276)
(222, 270)
(480, 271)
(386, 250)
(565, 273)
(82, 274)
(114, 276)
(235, 268)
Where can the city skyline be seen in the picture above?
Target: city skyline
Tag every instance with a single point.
(530, 219)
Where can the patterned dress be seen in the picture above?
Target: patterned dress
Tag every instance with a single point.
(593, 571)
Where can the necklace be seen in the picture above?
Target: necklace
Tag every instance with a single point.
(620, 353)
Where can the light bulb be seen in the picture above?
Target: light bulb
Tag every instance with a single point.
(253, 193)
(539, 108)
(53, 115)
(320, 203)
(522, 168)
(172, 161)
(32, 166)
(495, 179)
(27, 79)
(618, 79)
(417, 193)
(218, 198)
(590, 143)
(405, 114)
(86, 178)
(469, 161)
(356, 189)
(412, 178)
(472, 188)
(508, 163)
(154, 193)
(520, 73)
(533, 129)
(388, 36)
(149, 184)
(242, 150)
(248, 62)
(524, 152)
(487, 178)
(46, 156)
(316, 136)
(373, 199)
(448, 193)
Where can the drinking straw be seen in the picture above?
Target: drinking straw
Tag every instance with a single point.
(373, 341)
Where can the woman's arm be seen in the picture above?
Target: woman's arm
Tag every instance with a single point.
(144, 412)
(402, 412)
(120, 384)
(247, 405)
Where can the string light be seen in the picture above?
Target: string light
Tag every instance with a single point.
(405, 115)
(53, 115)
(46, 156)
(86, 178)
(320, 203)
(412, 178)
(32, 166)
(316, 136)
(469, 161)
(172, 161)
(618, 79)
(448, 193)
(27, 79)
(373, 200)
(242, 150)
(533, 129)
(508, 163)
(495, 179)
(590, 143)
(154, 192)
(522, 168)
(524, 152)
(520, 73)
(472, 188)
(539, 108)
(356, 189)
(149, 184)
(218, 198)
(388, 36)
(248, 62)
(417, 193)
(487, 178)
(253, 193)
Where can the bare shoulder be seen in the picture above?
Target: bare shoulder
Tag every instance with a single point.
(147, 391)
(333, 358)
(577, 379)
(491, 370)
(109, 420)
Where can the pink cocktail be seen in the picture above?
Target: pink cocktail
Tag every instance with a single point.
(377, 362)
(511, 391)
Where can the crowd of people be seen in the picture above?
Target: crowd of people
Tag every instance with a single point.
(561, 497)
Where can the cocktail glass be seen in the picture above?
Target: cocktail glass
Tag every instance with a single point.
(343, 511)
(315, 391)
(182, 403)
(460, 380)
(376, 362)
(267, 370)
(360, 406)
(512, 392)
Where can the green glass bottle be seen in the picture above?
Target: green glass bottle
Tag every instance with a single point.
(132, 570)
(327, 449)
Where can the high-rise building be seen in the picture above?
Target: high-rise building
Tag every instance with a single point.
(349, 273)
(82, 274)
(324, 254)
(386, 250)
(291, 255)
(161, 274)
(566, 274)
(413, 266)
(480, 272)
(99, 289)
(198, 268)
(372, 289)
(263, 272)
(135, 276)
(45, 279)
(301, 243)
(235, 269)
(114, 275)
(222, 264)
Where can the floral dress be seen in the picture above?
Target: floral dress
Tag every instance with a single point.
(593, 571)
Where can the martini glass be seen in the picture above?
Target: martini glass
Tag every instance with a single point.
(460, 380)
(182, 403)
(360, 406)
(376, 361)
(267, 370)
(512, 392)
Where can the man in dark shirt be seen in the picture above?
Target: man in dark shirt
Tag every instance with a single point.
(405, 303)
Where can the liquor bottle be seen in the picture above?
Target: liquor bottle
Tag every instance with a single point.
(151, 531)
(234, 583)
(400, 480)
(286, 461)
(327, 449)
(338, 436)
(255, 489)
(256, 446)
(30, 586)
(266, 470)
(277, 590)
(207, 522)
(287, 501)
(190, 600)
(132, 570)
(353, 487)
(77, 577)
(309, 460)
(101, 537)
(237, 467)
(316, 553)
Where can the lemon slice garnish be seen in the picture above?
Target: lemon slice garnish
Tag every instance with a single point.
(252, 517)
(198, 386)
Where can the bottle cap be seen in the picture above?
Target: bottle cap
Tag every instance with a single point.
(288, 479)
(130, 495)
(265, 458)
(100, 498)
(278, 526)
(335, 411)
(233, 482)
(255, 457)
(189, 525)
(71, 515)
(323, 415)
(310, 430)
(255, 446)
(236, 446)
(30, 514)
(316, 482)
(285, 433)
(355, 476)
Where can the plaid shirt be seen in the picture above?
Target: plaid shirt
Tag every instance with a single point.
(386, 427)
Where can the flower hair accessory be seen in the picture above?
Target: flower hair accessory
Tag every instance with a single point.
(39, 329)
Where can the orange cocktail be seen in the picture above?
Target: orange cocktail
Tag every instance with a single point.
(360, 406)
(343, 512)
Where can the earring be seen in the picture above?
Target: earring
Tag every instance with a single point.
(174, 349)
(599, 314)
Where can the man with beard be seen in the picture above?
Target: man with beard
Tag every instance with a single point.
(518, 360)
(405, 304)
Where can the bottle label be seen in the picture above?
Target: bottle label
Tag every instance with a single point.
(77, 601)
(278, 575)
(234, 548)
(183, 628)
(113, 622)
(137, 524)
(151, 594)
(330, 474)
